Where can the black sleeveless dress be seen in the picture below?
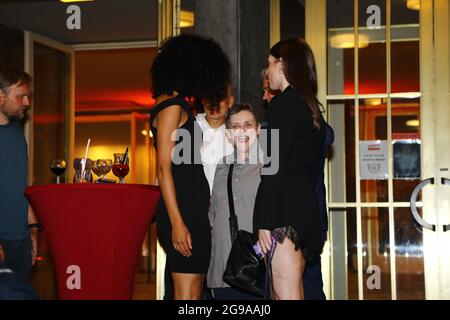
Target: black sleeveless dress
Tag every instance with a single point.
(192, 191)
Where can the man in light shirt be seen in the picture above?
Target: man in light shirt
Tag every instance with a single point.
(215, 144)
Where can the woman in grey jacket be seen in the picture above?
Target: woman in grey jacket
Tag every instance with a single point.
(242, 130)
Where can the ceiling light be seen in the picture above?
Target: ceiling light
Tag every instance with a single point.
(373, 101)
(413, 123)
(145, 133)
(67, 1)
(186, 19)
(413, 4)
(347, 41)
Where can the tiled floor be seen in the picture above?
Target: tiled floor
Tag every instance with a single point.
(145, 286)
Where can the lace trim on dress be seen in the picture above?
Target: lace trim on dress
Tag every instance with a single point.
(280, 234)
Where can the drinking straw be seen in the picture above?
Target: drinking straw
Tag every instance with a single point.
(86, 155)
(124, 160)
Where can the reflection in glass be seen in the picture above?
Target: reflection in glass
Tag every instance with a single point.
(352, 254)
(405, 47)
(187, 17)
(409, 256)
(341, 41)
(341, 115)
(372, 127)
(405, 128)
(49, 110)
(405, 62)
(344, 253)
(376, 253)
(372, 58)
(145, 152)
(406, 159)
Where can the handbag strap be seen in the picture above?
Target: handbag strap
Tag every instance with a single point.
(268, 292)
(234, 226)
(230, 191)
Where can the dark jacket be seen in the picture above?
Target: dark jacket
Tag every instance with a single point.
(320, 183)
(288, 198)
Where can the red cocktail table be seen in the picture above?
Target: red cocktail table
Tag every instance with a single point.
(95, 233)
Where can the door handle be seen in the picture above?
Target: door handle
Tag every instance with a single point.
(413, 200)
(447, 182)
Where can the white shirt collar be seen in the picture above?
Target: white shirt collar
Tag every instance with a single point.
(204, 125)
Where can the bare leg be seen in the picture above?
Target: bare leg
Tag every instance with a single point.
(287, 270)
(187, 286)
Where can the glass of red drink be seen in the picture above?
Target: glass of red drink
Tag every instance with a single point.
(120, 167)
(58, 167)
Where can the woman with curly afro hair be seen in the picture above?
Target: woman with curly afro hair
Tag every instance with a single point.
(185, 66)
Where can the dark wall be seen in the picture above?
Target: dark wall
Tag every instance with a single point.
(292, 17)
(11, 46)
(253, 49)
(218, 19)
(242, 28)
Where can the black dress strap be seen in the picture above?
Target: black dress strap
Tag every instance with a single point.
(178, 100)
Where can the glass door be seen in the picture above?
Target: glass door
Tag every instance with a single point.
(50, 131)
(387, 100)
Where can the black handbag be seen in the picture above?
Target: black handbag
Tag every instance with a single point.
(244, 271)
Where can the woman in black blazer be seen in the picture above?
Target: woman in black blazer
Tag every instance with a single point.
(286, 208)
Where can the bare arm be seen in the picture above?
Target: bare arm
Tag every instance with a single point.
(31, 216)
(33, 234)
(168, 121)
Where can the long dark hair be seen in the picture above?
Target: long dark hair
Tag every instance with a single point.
(299, 68)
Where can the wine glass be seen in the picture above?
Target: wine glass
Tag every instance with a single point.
(103, 166)
(120, 168)
(97, 169)
(58, 167)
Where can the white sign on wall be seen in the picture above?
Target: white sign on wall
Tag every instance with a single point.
(373, 159)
